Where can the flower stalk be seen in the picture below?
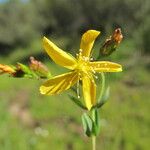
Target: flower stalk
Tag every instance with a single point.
(93, 136)
(93, 142)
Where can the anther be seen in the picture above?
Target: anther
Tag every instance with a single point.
(93, 81)
(80, 50)
(96, 77)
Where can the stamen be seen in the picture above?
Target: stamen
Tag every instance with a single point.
(78, 90)
(96, 77)
(80, 50)
(93, 81)
(86, 58)
(83, 58)
(92, 69)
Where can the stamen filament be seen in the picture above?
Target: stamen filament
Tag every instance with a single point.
(78, 90)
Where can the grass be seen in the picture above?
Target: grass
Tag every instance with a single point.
(30, 121)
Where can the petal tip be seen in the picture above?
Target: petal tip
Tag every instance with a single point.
(93, 33)
(41, 90)
(120, 69)
(45, 39)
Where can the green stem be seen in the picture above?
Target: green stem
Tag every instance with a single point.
(93, 142)
(103, 86)
(93, 136)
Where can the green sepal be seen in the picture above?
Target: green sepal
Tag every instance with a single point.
(42, 73)
(108, 50)
(103, 99)
(77, 102)
(96, 122)
(87, 124)
(25, 71)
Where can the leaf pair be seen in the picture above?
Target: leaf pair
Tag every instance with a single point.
(91, 125)
(101, 101)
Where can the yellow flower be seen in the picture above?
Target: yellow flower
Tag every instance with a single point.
(81, 68)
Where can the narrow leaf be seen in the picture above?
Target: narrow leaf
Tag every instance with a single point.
(77, 102)
(104, 98)
(96, 122)
(87, 124)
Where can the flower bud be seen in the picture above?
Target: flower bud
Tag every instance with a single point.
(6, 69)
(111, 43)
(39, 68)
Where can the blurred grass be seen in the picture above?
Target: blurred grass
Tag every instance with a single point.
(30, 121)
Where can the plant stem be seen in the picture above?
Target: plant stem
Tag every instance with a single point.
(103, 86)
(93, 136)
(93, 142)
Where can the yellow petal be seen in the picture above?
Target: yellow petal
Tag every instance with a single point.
(105, 66)
(87, 41)
(89, 91)
(59, 56)
(59, 83)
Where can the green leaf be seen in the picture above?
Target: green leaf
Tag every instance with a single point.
(104, 98)
(26, 72)
(87, 124)
(24, 68)
(96, 122)
(106, 95)
(77, 102)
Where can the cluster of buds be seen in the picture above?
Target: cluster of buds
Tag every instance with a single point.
(36, 69)
(111, 43)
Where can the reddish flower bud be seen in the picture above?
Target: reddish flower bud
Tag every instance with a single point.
(6, 69)
(111, 43)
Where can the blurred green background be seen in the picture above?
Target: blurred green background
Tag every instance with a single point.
(30, 121)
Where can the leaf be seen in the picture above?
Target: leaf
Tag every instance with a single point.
(26, 72)
(104, 98)
(77, 101)
(96, 122)
(87, 124)
(24, 68)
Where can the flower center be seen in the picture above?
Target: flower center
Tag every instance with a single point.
(83, 64)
